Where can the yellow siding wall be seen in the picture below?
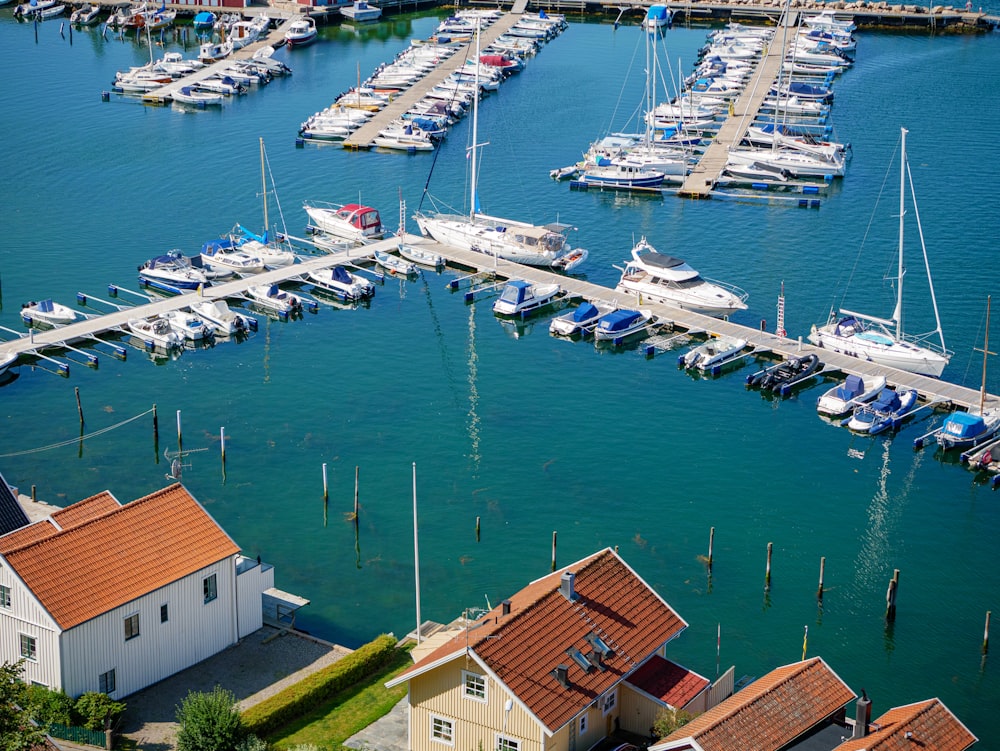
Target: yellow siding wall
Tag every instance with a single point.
(476, 723)
(638, 712)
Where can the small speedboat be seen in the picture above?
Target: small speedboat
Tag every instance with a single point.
(342, 283)
(581, 320)
(965, 430)
(272, 297)
(157, 331)
(520, 297)
(352, 221)
(223, 319)
(853, 392)
(888, 410)
(783, 376)
(394, 264)
(171, 272)
(619, 324)
(421, 256)
(225, 254)
(197, 97)
(48, 313)
(7, 361)
(301, 32)
(188, 325)
(86, 15)
(714, 353)
(204, 21)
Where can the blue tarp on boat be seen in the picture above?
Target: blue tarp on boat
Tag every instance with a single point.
(619, 320)
(887, 401)
(963, 425)
(585, 312)
(853, 386)
(340, 274)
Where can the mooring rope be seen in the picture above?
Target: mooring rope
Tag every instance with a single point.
(75, 440)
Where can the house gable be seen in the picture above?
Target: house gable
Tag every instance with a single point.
(771, 712)
(12, 516)
(926, 724)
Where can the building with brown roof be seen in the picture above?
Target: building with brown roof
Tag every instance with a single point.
(550, 668)
(924, 725)
(112, 597)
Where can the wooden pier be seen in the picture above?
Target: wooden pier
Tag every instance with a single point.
(364, 137)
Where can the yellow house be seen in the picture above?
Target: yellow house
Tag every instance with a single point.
(561, 665)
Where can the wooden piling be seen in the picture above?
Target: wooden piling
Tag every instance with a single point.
(767, 571)
(79, 406)
(33, 499)
(477, 529)
(180, 440)
(553, 550)
(326, 489)
(156, 427)
(822, 570)
(711, 545)
(222, 444)
(986, 632)
(357, 470)
(890, 597)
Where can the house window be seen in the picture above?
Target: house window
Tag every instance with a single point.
(4, 597)
(475, 686)
(29, 648)
(210, 588)
(442, 730)
(131, 626)
(507, 744)
(164, 614)
(583, 724)
(106, 682)
(609, 702)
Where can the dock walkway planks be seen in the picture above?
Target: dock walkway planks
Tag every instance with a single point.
(364, 137)
(705, 175)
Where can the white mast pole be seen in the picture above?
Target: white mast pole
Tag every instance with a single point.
(475, 133)
(263, 184)
(416, 550)
(898, 313)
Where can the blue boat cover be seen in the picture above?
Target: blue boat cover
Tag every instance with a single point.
(214, 246)
(340, 274)
(515, 291)
(272, 291)
(887, 401)
(963, 425)
(619, 320)
(585, 312)
(45, 306)
(853, 386)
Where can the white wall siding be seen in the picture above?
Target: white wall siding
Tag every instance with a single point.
(250, 583)
(27, 616)
(194, 630)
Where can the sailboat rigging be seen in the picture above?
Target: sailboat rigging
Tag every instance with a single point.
(513, 240)
(883, 340)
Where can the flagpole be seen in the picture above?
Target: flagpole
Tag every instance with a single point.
(416, 550)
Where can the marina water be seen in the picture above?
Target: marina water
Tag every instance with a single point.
(505, 423)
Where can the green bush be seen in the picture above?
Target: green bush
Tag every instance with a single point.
(95, 709)
(210, 722)
(284, 707)
(668, 720)
(252, 743)
(47, 706)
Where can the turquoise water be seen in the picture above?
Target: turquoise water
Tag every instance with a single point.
(530, 434)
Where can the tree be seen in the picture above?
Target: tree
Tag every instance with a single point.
(17, 733)
(209, 722)
(668, 720)
(97, 709)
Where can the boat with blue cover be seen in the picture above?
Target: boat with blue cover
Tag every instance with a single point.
(341, 283)
(657, 17)
(581, 320)
(888, 410)
(520, 297)
(619, 324)
(854, 391)
(204, 21)
(48, 313)
(171, 272)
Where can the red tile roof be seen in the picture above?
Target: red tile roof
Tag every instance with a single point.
(85, 510)
(668, 682)
(769, 713)
(86, 570)
(524, 648)
(25, 535)
(931, 726)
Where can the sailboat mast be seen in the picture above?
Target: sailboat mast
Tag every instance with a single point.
(897, 314)
(475, 134)
(263, 184)
(986, 352)
(650, 84)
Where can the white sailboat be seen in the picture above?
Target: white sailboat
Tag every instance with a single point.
(882, 340)
(504, 238)
(269, 251)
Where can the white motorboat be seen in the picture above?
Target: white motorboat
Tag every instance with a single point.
(86, 15)
(654, 277)
(273, 298)
(361, 11)
(272, 255)
(7, 361)
(211, 52)
(221, 85)
(794, 161)
(516, 241)
(188, 325)
(225, 254)
(197, 97)
(352, 221)
(342, 283)
(616, 325)
(48, 313)
(888, 410)
(421, 256)
(157, 331)
(223, 319)
(853, 392)
(580, 320)
(301, 32)
(882, 340)
(394, 264)
(712, 354)
(621, 174)
(520, 297)
(827, 19)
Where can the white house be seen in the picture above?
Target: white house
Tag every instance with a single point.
(108, 597)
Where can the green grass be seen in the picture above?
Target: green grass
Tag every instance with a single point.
(333, 722)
